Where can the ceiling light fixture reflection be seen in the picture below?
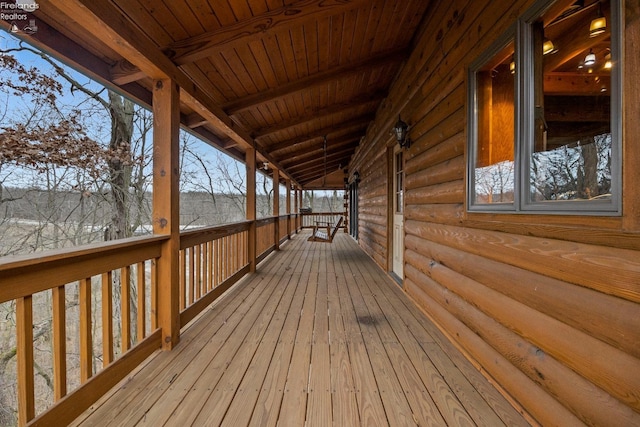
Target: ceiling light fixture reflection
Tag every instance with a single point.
(590, 59)
(548, 47)
(598, 24)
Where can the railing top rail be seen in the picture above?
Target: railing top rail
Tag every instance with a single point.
(11, 262)
(201, 235)
(321, 213)
(26, 275)
(266, 221)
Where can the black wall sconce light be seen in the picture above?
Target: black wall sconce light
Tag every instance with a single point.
(400, 131)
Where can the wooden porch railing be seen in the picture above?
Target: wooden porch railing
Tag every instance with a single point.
(285, 231)
(309, 219)
(211, 260)
(122, 276)
(82, 284)
(265, 241)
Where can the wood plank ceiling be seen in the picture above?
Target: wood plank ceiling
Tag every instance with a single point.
(287, 73)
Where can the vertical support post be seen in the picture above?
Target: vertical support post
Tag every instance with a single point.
(276, 208)
(296, 195)
(250, 162)
(287, 183)
(166, 206)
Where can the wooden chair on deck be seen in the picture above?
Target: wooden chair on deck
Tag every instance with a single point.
(324, 231)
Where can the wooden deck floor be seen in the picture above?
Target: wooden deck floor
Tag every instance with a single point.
(319, 335)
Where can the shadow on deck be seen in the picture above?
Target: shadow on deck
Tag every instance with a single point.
(318, 335)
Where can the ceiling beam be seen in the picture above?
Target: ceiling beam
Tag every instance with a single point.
(315, 114)
(382, 59)
(248, 30)
(358, 124)
(318, 154)
(315, 173)
(318, 162)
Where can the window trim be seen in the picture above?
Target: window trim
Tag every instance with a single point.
(503, 41)
(521, 34)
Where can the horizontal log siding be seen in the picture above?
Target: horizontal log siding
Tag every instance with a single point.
(373, 203)
(547, 306)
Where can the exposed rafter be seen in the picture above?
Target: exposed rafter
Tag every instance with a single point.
(313, 174)
(359, 123)
(317, 114)
(313, 162)
(248, 30)
(350, 145)
(382, 59)
(195, 120)
(242, 33)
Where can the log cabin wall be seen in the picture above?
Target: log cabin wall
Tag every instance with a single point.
(548, 306)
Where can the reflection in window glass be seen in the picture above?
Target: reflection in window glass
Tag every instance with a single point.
(571, 154)
(494, 166)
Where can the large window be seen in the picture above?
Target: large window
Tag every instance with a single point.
(545, 116)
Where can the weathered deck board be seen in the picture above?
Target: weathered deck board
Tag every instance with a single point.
(318, 335)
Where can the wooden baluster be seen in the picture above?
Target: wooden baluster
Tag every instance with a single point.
(245, 247)
(226, 257)
(209, 268)
(154, 294)
(59, 343)
(24, 355)
(86, 336)
(183, 280)
(142, 304)
(198, 272)
(212, 282)
(192, 276)
(233, 254)
(220, 261)
(204, 275)
(125, 300)
(107, 318)
(240, 249)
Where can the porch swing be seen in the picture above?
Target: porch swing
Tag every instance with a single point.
(325, 231)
